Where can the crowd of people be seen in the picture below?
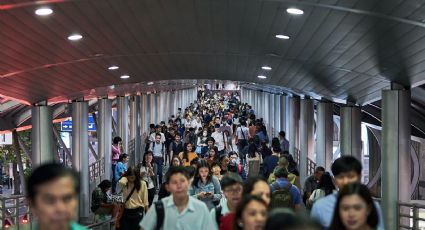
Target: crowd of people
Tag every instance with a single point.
(213, 166)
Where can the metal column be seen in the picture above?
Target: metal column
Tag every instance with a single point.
(135, 138)
(80, 155)
(42, 135)
(122, 120)
(306, 135)
(396, 169)
(351, 143)
(277, 115)
(104, 134)
(325, 129)
(294, 128)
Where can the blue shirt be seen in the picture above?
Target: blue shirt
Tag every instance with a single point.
(119, 170)
(194, 217)
(323, 211)
(295, 193)
(213, 187)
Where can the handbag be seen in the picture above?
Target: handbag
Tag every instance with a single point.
(121, 210)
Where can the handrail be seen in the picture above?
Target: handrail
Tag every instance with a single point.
(96, 169)
(109, 221)
(412, 215)
(311, 166)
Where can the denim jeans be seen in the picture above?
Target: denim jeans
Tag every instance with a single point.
(159, 161)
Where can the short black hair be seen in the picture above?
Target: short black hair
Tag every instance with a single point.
(176, 170)
(105, 184)
(346, 164)
(319, 169)
(116, 140)
(281, 172)
(282, 133)
(49, 172)
(229, 179)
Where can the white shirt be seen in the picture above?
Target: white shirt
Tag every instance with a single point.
(245, 131)
(219, 141)
(152, 137)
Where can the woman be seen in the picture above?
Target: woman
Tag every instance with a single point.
(205, 187)
(324, 188)
(224, 164)
(202, 143)
(253, 161)
(355, 209)
(212, 156)
(148, 174)
(121, 167)
(135, 198)
(228, 147)
(175, 161)
(188, 154)
(257, 186)
(251, 214)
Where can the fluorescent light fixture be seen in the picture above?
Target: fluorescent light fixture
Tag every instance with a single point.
(124, 77)
(295, 11)
(75, 37)
(281, 36)
(44, 11)
(114, 67)
(150, 83)
(266, 68)
(262, 77)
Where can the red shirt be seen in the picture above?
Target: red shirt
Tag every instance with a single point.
(226, 221)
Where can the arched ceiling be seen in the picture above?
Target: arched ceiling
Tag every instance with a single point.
(343, 49)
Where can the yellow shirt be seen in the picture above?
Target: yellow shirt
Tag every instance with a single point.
(138, 198)
(190, 155)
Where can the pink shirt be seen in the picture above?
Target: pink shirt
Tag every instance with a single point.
(116, 151)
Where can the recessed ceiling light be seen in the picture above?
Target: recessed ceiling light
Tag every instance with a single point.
(75, 37)
(43, 11)
(124, 77)
(262, 77)
(150, 83)
(266, 68)
(114, 67)
(295, 11)
(281, 36)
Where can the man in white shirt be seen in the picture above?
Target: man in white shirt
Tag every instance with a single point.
(219, 139)
(242, 136)
(157, 131)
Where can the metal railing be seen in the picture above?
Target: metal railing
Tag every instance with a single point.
(104, 225)
(96, 169)
(409, 215)
(297, 157)
(14, 212)
(311, 166)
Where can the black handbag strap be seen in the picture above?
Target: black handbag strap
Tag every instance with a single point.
(243, 133)
(129, 195)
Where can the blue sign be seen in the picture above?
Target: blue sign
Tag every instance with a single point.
(66, 126)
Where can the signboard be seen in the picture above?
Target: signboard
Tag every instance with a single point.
(66, 126)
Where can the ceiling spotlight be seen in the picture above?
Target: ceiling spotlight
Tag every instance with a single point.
(43, 11)
(150, 83)
(75, 37)
(124, 77)
(266, 68)
(295, 11)
(281, 36)
(114, 67)
(262, 77)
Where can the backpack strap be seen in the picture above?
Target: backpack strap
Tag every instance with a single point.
(160, 214)
(218, 215)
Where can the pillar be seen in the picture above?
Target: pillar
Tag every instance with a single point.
(122, 121)
(80, 155)
(325, 129)
(294, 128)
(135, 138)
(42, 135)
(104, 135)
(306, 135)
(351, 143)
(277, 112)
(396, 169)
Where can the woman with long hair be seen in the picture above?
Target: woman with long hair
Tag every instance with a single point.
(251, 214)
(325, 187)
(212, 156)
(148, 174)
(205, 186)
(355, 209)
(188, 154)
(253, 161)
(135, 198)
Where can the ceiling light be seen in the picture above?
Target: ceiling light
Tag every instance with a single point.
(281, 36)
(124, 77)
(150, 83)
(114, 67)
(295, 11)
(266, 68)
(75, 37)
(43, 11)
(262, 77)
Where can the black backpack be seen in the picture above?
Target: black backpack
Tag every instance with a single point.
(160, 214)
(281, 197)
(218, 214)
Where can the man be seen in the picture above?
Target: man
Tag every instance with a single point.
(158, 150)
(281, 189)
(176, 146)
(283, 163)
(284, 143)
(53, 197)
(346, 170)
(218, 138)
(179, 210)
(241, 138)
(224, 214)
(158, 130)
(270, 162)
(311, 182)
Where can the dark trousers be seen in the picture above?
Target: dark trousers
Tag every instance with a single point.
(113, 179)
(131, 218)
(159, 161)
(151, 195)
